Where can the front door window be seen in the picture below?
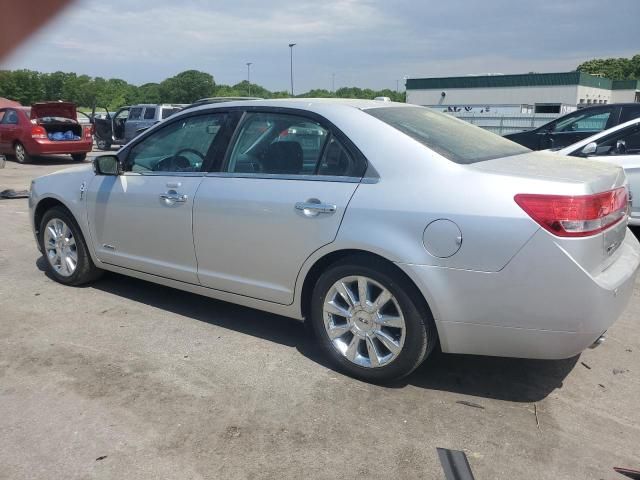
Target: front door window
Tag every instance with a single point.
(180, 146)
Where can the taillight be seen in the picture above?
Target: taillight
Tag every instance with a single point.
(88, 131)
(38, 132)
(576, 216)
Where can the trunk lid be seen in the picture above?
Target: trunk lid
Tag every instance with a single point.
(548, 173)
(596, 176)
(53, 109)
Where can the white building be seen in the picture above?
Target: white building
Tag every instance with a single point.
(526, 93)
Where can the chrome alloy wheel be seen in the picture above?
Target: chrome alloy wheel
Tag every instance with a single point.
(21, 153)
(60, 247)
(364, 321)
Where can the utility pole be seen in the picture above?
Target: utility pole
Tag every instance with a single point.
(333, 82)
(249, 76)
(397, 86)
(291, 45)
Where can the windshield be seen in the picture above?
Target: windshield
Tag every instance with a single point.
(454, 139)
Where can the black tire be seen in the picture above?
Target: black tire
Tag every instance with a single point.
(85, 271)
(20, 153)
(79, 157)
(103, 144)
(420, 338)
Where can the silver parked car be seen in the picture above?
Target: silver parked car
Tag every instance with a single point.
(391, 228)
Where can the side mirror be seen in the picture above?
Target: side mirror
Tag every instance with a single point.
(107, 165)
(589, 149)
(621, 147)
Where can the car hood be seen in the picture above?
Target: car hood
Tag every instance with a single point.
(53, 109)
(80, 169)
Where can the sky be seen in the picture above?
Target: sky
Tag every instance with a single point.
(365, 43)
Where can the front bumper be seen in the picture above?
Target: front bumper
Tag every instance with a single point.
(541, 305)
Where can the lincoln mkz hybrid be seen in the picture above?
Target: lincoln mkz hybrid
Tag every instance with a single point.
(391, 228)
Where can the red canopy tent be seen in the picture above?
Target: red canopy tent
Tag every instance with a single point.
(4, 103)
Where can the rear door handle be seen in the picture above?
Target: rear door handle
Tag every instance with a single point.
(312, 208)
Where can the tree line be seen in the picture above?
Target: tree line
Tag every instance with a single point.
(29, 86)
(613, 68)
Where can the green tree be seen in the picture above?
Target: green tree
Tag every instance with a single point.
(614, 68)
(187, 87)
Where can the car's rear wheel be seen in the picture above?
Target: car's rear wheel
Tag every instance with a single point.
(370, 320)
(64, 247)
(79, 157)
(21, 153)
(102, 144)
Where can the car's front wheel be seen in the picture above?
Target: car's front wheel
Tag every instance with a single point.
(64, 247)
(370, 320)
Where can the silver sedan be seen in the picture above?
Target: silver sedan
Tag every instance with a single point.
(391, 228)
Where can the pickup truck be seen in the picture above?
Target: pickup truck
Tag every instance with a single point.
(128, 122)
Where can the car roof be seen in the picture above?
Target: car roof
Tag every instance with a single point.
(304, 104)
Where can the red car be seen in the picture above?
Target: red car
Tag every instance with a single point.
(45, 128)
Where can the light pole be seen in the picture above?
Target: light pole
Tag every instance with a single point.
(249, 76)
(333, 82)
(291, 45)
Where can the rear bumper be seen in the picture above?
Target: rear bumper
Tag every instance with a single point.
(48, 147)
(541, 305)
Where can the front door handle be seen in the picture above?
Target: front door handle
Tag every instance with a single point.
(313, 207)
(172, 197)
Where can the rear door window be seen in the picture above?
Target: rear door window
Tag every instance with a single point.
(276, 143)
(629, 113)
(150, 113)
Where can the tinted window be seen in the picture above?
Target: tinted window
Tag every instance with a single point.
(178, 147)
(277, 143)
(454, 139)
(150, 113)
(1, 115)
(629, 113)
(167, 112)
(583, 122)
(135, 113)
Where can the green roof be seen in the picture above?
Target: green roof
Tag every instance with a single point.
(519, 80)
(626, 85)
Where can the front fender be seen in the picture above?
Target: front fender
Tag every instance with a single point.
(65, 188)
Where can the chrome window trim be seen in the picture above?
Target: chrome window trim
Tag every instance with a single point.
(164, 174)
(280, 176)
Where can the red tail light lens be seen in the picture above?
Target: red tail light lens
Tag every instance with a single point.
(88, 131)
(576, 216)
(38, 132)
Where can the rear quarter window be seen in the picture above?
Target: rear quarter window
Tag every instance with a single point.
(454, 139)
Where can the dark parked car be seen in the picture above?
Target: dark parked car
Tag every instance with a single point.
(128, 122)
(575, 126)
